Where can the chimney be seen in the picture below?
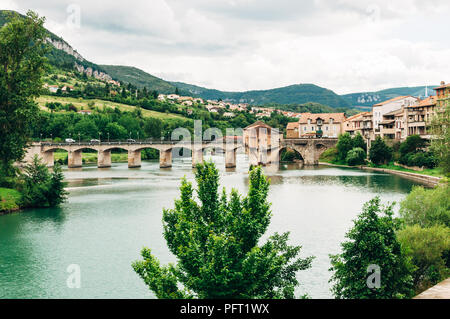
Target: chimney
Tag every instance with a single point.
(442, 83)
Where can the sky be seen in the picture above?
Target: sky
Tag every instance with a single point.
(237, 45)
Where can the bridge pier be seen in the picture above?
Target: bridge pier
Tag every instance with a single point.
(197, 157)
(104, 159)
(74, 159)
(134, 159)
(165, 158)
(48, 158)
(230, 158)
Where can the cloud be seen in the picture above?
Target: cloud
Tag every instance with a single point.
(344, 45)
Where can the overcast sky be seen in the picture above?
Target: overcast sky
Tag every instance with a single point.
(344, 45)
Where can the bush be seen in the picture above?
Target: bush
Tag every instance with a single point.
(427, 207)
(330, 155)
(356, 156)
(428, 249)
(412, 144)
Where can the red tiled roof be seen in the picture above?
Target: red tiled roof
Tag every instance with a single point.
(337, 117)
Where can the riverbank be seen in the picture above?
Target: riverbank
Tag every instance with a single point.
(9, 200)
(424, 178)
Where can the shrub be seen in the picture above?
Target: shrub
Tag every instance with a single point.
(427, 207)
(357, 156)
(428, 249)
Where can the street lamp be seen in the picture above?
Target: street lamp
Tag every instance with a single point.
(99, 137)
(108, 137)
(138, 136)
(51, 137)
(79, 139)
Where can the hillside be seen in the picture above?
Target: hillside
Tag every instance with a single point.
(298, 94)
(370, 98)
(138, 78)
(61, 54)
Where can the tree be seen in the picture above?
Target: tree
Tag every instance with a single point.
(440, 145)
(379, 152)
(372, 243)
(216, 244)
(358, 141)
(22, 65)
(428, 249)
(427, 207)
(344, 145)
(412, 144)
(40, 187)
(357, 156)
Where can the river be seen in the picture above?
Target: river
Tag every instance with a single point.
(112, 213)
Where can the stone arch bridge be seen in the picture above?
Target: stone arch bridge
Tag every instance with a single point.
(309, 149)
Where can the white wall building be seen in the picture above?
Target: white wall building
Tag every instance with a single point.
(391, 105)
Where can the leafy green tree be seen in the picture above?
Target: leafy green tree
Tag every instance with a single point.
(40, 187)
(358, 141)
(440, 145)
(428, 249)
(379, 152)
(412, 144)
(427, 207)
(357, 156)
(22, 65)
(56, 194)
(216, 244)
(372, 241)
(344, 145)
(116, 131)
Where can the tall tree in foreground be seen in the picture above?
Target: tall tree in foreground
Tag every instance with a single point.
(216, 244)
(22, 64)
(372, 250)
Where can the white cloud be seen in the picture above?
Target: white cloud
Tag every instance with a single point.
(344, 45)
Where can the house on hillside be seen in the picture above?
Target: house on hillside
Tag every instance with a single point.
(380, 109)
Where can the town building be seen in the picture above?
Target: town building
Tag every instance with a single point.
(380, 109)
(442, 95)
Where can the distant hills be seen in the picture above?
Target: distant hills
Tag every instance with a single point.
(293, 94)
(63, 56)
(139, 78)
(368, 99)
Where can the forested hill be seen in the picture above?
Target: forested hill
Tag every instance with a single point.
(371, 98)
(139, 78)
(298, 94)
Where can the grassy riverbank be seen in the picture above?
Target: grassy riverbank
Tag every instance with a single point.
(9, 200)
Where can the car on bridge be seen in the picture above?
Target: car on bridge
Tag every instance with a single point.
(95, 141)
(130, 140)
(70, 140)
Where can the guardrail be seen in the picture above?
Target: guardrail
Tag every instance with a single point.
(150, 142)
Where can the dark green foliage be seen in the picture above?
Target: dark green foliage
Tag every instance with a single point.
(412, 144)
(22, 65)
(40, 188)
(358, 141)
(298, 93)
(216, 244)
(344, 145)
(372, 241)
(379, 152)
(357, 156)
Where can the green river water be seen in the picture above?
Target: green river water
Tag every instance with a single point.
(112, 213)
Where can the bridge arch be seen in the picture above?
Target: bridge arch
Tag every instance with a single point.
(297, 153)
